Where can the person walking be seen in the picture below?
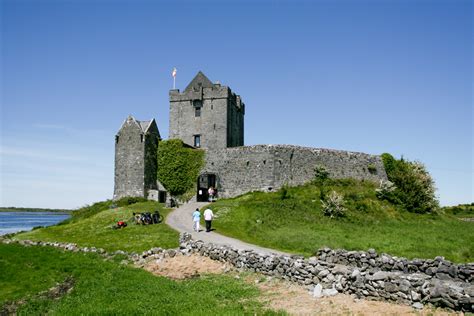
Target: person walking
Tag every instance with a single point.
(196, 219)
(208, 216)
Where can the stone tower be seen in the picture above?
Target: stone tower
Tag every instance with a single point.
(207, 115)
(136, 145)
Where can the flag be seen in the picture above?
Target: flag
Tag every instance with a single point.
(174, 72)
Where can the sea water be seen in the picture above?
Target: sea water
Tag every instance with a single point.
(11, 222)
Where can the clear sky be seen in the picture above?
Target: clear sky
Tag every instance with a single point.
(371, 76)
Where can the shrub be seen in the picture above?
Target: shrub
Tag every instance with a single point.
(415, 188)
(372, 168)
(386, 190)
(320, 175)
(284, 193)
(178, 166)
(333, 205)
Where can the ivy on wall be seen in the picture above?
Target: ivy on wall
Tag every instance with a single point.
(178, 166)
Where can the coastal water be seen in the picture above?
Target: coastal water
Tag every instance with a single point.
(11, 222)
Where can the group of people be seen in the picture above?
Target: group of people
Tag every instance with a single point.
(208, 216)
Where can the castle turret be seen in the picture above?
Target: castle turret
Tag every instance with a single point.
(207, 115)
(136, 145)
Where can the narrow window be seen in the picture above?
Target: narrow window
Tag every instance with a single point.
(116, 139)
(197, 140)
(141, 138)
(197, 107)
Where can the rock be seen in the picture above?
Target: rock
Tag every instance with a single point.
(404, 286)
(390, 287)
(323, 273)
(330, 292)
(341, 269)
(313, 261)
(415, 296)
(417, 305)
(355, 273)
(379, 275)
(317, 291)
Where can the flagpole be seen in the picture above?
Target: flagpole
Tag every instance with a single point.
(174, 78)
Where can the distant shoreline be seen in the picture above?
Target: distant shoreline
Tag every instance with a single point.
(32, 210)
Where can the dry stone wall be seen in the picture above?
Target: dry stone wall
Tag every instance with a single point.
(403, 284)
(268, 167)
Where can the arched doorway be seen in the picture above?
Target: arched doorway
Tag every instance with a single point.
(205, 181)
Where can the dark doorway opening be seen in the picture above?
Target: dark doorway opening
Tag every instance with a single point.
(162, 196)
(205, 181)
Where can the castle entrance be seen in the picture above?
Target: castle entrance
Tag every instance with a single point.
(205, 181)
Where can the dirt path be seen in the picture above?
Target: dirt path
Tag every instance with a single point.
(181, 220)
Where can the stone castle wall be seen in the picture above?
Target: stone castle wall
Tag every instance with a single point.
(268, 167)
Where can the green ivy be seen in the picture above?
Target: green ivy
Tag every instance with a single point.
(178, 166)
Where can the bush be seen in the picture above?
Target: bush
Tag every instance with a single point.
(386, 191)
(284, 193)
(178, 166)
(333, 205)
(372, 168)
(415, 188)
(320, 175)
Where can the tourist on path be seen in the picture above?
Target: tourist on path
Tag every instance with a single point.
(208, 215)
(196, 219)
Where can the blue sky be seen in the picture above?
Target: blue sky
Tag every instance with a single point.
(370, 76)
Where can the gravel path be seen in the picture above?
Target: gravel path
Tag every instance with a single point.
(181, 220)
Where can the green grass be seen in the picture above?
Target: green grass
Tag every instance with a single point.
(105, 287)
(94, 230)
(296, 224)
(460, 211)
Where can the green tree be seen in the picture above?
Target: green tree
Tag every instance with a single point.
(415, 188)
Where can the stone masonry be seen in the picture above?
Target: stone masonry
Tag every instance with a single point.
(209, 111)
(136, 145)
(367, 275)
(269, 167)
(210, 116)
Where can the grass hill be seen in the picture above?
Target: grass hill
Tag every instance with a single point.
(92, 227)
(292, 220)
(107, 287)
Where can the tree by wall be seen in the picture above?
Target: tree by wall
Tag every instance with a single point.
(415, 188)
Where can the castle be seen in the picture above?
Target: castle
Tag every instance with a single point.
(210, 116)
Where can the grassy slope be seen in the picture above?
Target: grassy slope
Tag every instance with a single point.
(109, 288)
(297, 224)
(96, 230)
